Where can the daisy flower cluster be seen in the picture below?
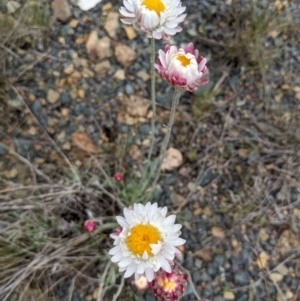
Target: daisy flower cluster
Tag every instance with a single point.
(146, 242)
(145, 247)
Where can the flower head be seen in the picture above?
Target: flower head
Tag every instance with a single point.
(169, 286)
(118, 176)
(147, 241)
(182, 68)
(158, 19)
(90, 225)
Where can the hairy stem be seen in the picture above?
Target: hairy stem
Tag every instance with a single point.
(175, 101)
(153, 120)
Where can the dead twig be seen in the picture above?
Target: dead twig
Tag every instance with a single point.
(121, 285)
(102, 281)
(28, 163)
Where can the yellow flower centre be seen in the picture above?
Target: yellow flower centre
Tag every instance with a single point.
(156, 5)
(183, 60)
(168, 285)
(140, 238)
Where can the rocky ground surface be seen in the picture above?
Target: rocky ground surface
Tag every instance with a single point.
(82, 93)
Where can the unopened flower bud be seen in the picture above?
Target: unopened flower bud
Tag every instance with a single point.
(90, 225)
(118, 176)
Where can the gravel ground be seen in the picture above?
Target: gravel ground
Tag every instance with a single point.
(239, 138)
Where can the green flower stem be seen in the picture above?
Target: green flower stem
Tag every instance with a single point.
(175, 101)
(153, 120)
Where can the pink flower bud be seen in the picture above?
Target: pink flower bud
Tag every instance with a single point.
(169, 286)
(118, 176)
(90, 225)
(141, 284)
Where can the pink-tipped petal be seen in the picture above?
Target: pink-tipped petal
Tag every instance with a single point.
(182, 68)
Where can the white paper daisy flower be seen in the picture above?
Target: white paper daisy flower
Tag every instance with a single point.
(182, 68)
(146, 242)
(159, 19)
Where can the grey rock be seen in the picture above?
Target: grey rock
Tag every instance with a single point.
(67, 31)
(218, 298)
(65, 98)
(205, 277)
(212, 271)
(196, 275)
(242, 257)
(129, 89)
(95, 137)
(37, 110)
(202, 226)
(36, 107)
(219, 260)
(76, 12)
(77, 110)
(243, 297)
(144, 129)
(2, 150)
(189, 263)
(271, 289)
(86, 112)
(24, 148)
(295, 283)
(70, 129)
(208, 291)
(207, 177)
(77, 298)
(170, 180)
(124, 128)
(165, 100)
(242, 278)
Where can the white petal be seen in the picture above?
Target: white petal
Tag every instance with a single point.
(178, 242)
(149, 274)
(130, 270)
(115, 250)
(122, 222)
(127, 214)
(167, 255)
(145, 256)
(170, 219)
(177, 227)
(166, 266)
(128, 5)
(164, 210)
(141, 267)
(124, 12)
(155, 248)
(170, 249)
(117, 257)
(125, 262)
(87, 4)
